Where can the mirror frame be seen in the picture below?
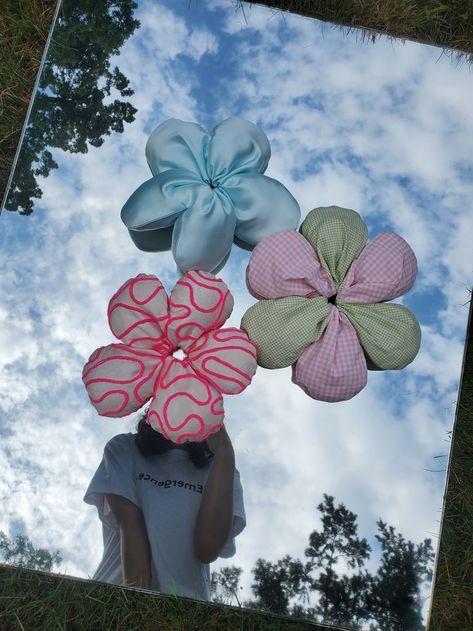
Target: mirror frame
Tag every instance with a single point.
(452, 583)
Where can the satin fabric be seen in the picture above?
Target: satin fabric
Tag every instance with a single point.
(207, 192)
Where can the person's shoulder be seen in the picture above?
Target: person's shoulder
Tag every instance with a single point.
(121, 441)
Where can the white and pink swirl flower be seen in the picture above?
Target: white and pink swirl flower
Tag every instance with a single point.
(186, 393)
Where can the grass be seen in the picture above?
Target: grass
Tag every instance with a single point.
(444, 23)
(27, 597)
(452, 600)
(46, 602)
(24, 27)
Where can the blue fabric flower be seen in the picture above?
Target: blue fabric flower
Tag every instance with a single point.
(207, 191)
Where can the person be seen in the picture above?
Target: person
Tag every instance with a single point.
(167, 510)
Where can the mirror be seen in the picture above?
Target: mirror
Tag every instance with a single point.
(381, 128)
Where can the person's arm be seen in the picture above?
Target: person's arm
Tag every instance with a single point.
(134, 542)
(215, 516)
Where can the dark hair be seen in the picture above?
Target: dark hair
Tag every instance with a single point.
(151, 443)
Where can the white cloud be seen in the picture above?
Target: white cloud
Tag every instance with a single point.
(439, 360)
(242, 16)
(382, 108)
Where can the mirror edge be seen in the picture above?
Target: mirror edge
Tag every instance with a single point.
(31, 103)
(85, 598)
(452, 581)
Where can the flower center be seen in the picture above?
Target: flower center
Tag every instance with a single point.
(332, 299)
(179, 354)
(212, 184)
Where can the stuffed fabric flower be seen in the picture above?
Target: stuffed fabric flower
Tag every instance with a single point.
(323, 307)
(207, 191)
(186, 394)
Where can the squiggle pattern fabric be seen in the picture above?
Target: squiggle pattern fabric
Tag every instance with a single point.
(187, 402)
(207, 191)
(323, 306)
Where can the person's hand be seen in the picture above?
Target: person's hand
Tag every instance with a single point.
(219, 441)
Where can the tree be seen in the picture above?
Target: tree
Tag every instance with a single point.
(342, 599)
(73, 107)
(275, 584)
(224, 584)
(319, 590)
(22, 553)
(395, 592)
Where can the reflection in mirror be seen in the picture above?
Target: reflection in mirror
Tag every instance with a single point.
(76, 104)
(341, 501)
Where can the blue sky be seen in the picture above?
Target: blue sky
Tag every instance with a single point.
(380, 128)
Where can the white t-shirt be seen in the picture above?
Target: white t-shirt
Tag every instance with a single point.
(168, 488)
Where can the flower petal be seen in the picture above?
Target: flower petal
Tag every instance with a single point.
(262, 206)
(138, 313)
(389, 333)
(385, 269)
(186, 407)
(285, 264)
(158, 202)
(225, 358)
(334, 367)
(199, 303)
(237, 146)
(120, 379)
(281, 329)
(177, 144)
(215, 270)
(159, 240)
(203, 235)
(337, 235)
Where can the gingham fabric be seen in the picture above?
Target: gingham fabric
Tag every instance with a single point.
(389, 333)
(386, 269)
(296, 271)
(186, 394)
(331, 346)
(338, 235)
(285, 327)
(339, 350)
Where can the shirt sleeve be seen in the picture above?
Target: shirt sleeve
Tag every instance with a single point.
(115, 474)
(239, 518)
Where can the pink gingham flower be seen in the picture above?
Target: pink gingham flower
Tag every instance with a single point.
(186, 394)
(323, 306)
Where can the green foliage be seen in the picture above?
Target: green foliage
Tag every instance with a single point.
(225, 583)
(276, 583)
(388, 600)
(338, 537)
(74, 105)
(342, 598)
(24, 27)
(394, 595)
(23, 554)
